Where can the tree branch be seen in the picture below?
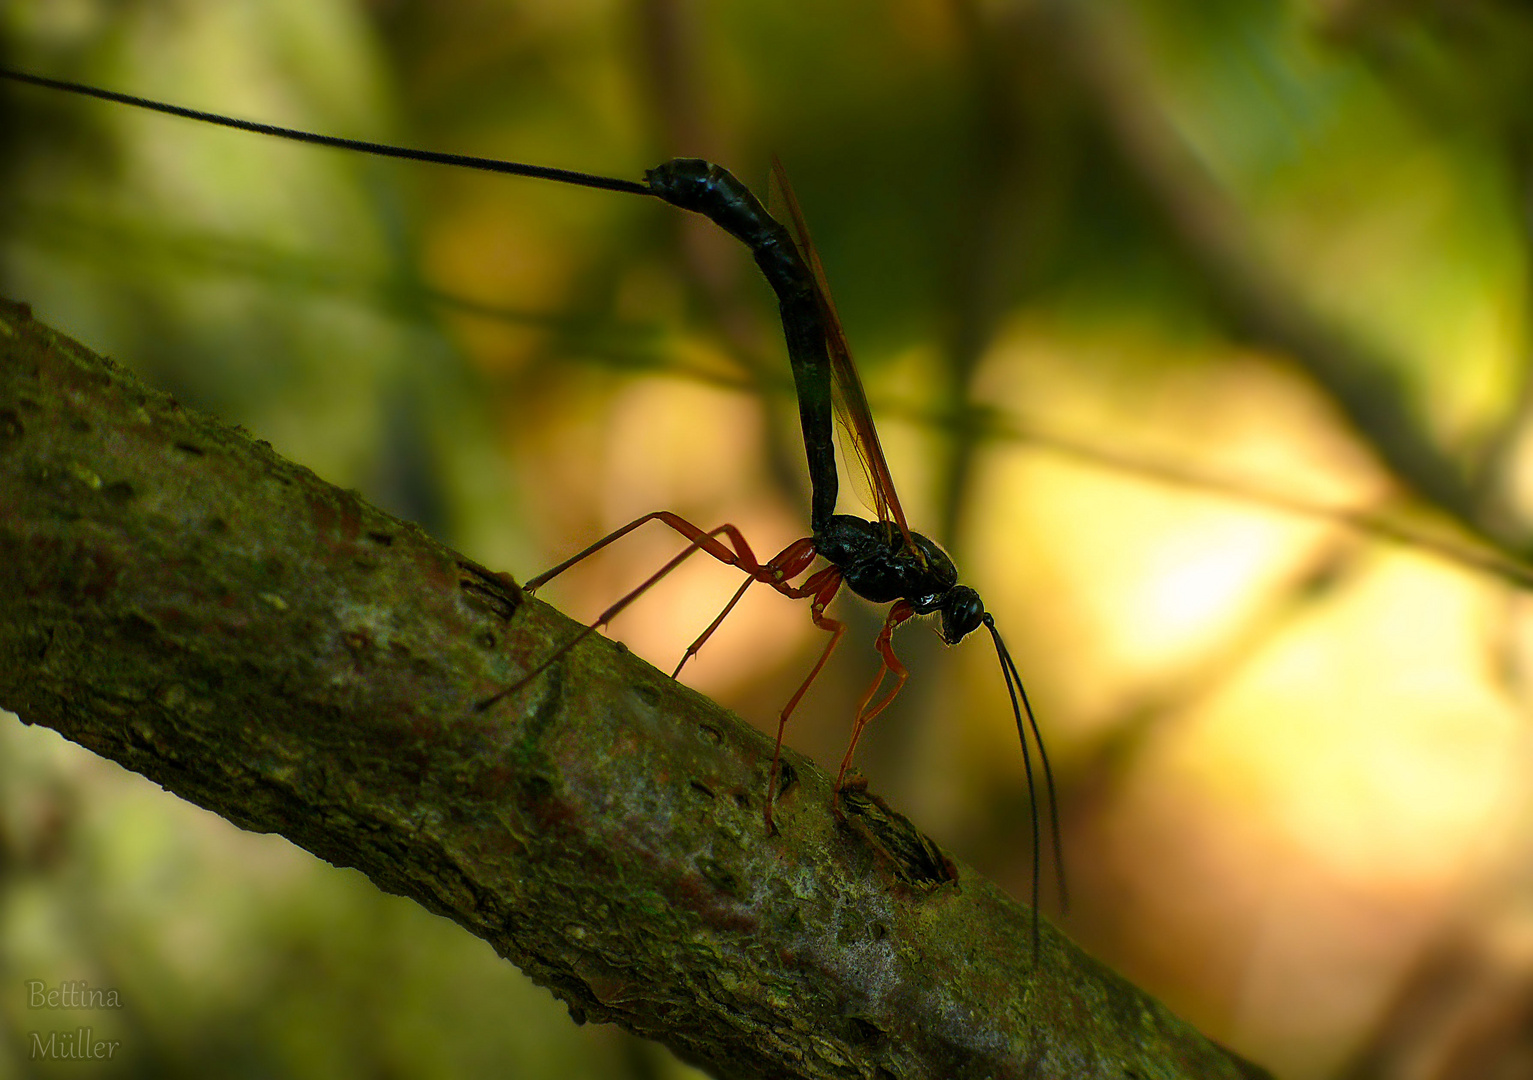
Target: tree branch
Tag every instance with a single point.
(180, 599)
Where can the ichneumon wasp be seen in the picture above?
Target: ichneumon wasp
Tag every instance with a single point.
(883, 561)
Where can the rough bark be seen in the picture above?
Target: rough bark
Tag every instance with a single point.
(176, 597)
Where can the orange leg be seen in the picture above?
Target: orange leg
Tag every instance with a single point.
(696, 646)
(782, 567)
(778, 572)
(740, 557)
(823, 586)
(891, 666)
(800, 553)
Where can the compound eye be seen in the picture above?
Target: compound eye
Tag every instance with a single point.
(962, 612)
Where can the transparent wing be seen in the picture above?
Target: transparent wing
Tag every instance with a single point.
(859, 438)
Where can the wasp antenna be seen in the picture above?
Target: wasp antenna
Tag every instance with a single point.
(1020, 706)
(1027, 766)
(1043, 756)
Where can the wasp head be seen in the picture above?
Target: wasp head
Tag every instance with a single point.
(962, 612)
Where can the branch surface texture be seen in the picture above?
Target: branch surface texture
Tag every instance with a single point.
(178, 598)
